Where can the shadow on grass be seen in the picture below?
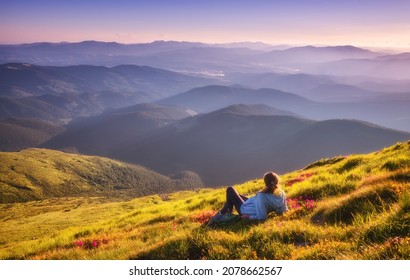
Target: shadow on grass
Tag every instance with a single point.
(194, 246)
(236, 227)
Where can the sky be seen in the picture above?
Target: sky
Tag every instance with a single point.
(372, 23)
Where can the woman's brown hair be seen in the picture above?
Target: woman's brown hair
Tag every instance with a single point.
(271, 180)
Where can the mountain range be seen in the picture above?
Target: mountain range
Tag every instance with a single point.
(25, 80)
(225, 146)
(59, 94)
(392, 66)
(382, 109)
(224, 113)
(115, 129)
(312, 54)
(213, 97)
(209, 58)
(326, 88)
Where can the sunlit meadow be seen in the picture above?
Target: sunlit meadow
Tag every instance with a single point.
(346, 207)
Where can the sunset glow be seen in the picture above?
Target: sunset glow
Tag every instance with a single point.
(373, 23)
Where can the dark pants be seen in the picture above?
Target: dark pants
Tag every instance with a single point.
(233, 198)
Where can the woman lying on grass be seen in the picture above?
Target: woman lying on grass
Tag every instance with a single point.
(270, 199)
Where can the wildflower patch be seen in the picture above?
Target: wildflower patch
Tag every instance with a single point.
(302, 177)
(90, 244)
(307, 203)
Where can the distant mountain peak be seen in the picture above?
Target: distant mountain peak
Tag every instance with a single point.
(345, 48)
(251, 110)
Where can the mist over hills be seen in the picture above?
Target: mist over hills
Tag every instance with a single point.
(63, 93)
(295, 83)
(86, 52)
(171, 55)
(391, 111)
(326, 88)
(393, 67)
(23, 80)
(115, 129)
(209, 98)
(339, 61)
(227, 148)
(311, 54)
(252, 110)
(252, 45)
(228, 145)
(208, 58)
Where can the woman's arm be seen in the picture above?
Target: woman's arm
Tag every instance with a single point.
(260, 209)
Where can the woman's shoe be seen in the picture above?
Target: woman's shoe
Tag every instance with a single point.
(215, 219)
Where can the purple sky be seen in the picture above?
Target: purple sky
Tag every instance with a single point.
(373, 23)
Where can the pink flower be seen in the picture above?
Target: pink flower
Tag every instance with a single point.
(301, 178)
(310, 203)
(296, 203)
(96, 243)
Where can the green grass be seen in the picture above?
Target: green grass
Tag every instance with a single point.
(354, 207)
(35, 174)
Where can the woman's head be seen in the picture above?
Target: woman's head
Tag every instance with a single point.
(271, 180)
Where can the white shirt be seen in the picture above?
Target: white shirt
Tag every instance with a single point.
(258, 206)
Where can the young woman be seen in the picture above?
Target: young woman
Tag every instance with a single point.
(270, 199)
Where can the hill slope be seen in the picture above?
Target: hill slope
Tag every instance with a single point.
(227, 148)
(214, 97)
(17, 134)
(35, 174)
(115, 129)
(354, 207)
(24, 80)
(391, 110)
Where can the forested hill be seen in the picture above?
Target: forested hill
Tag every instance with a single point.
(35, 174)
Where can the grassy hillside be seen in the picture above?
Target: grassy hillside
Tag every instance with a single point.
(353, 207)
(35, 174)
